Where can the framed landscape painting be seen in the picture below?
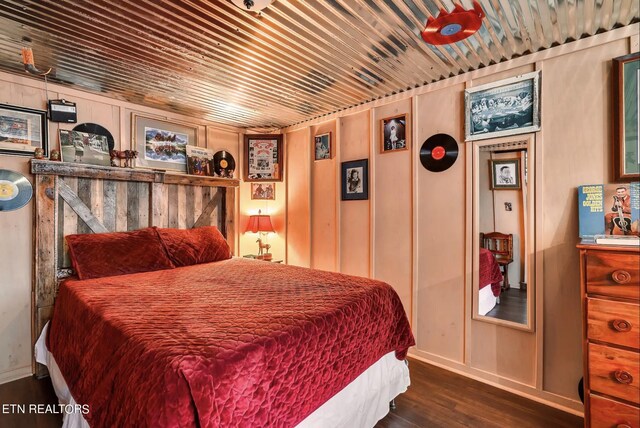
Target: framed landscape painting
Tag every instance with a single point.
(626, 145)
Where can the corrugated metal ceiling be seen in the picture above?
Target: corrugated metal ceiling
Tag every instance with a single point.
(296, 60)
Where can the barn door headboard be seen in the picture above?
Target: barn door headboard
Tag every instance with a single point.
(71, 198)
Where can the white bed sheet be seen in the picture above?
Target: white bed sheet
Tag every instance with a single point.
(486, 300)
(362, 403)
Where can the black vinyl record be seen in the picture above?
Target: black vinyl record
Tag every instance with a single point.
(94, 128)
(224, 164)
(15, 190)
(439, 152)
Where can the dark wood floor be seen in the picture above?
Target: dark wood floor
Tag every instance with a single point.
(436, 398)
(512, 307)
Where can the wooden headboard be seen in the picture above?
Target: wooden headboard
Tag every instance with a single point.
(71, 198)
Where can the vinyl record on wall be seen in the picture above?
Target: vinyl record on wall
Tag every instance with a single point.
(439, 152)
(224, 164)
(15, 190)
(94, 128)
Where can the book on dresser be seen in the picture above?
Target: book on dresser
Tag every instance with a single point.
(609, 210)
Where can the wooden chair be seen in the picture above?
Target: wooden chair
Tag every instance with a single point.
(501, 246)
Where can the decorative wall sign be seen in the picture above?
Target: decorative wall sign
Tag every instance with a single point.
(22, 130)
(507, 107)
(162, 144)
(263, 158)
(15, 190)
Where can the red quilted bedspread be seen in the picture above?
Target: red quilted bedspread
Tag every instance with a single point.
(233, 343)
(489, 272)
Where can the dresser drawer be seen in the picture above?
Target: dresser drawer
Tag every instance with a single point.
(606, 413)
(614, 372)
(613, 274)
(614, 322)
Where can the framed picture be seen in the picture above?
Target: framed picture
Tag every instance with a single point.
(393, 134)
(162, 144)
(263, 158)
(200, 161)
(626, 145)
(323, 146)
(263, 191)
(505, 173)
(84, 147)
(355, 180)
(22, 130)
(507, 107)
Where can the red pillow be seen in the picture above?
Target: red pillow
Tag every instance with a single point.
(119, 253)
(187, 247)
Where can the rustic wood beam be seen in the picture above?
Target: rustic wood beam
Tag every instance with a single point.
(80, 208)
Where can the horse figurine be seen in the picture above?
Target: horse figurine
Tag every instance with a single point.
(262, 247)
(127, 155)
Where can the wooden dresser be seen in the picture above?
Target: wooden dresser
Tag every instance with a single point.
(610, 290)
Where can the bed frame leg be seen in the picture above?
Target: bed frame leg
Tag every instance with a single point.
(392, 404)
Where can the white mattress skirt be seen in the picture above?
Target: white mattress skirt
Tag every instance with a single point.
(486, 300)
(362, 403)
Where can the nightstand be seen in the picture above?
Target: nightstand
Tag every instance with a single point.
(254, 256)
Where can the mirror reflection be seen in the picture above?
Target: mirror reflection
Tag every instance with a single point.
(502, 225)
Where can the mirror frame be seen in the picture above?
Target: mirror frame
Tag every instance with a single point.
(473, 238)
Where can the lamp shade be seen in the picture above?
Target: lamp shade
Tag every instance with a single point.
(260, 223)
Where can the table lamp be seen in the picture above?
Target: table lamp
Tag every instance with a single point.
(261, 224)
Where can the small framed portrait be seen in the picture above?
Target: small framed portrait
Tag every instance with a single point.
(263, 158)
(355, 180)
(506, 107)
(22, 131)
(393, 134)
(263, 191)
(505, 173)
(626, 104)
(323, 146)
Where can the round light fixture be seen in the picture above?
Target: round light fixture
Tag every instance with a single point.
(252, 5)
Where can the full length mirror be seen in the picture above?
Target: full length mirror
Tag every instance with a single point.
(502, 247)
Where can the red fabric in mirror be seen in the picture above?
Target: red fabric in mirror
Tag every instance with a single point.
(119, 253)
(187, 247)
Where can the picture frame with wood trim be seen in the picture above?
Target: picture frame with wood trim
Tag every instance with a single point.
(505, 174)
(626, 105)
(162, 143)
(395, 133)
(263, 157)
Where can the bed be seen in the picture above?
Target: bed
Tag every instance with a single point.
(490, 279)
(202, 339)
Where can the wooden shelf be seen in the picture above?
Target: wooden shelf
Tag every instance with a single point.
(68, 169)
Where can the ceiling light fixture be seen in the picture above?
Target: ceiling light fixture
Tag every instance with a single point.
(453, 27)
(252, 5)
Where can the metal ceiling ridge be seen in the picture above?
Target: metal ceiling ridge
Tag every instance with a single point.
(545, 54)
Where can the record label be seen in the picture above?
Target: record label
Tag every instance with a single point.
(15, 190)
(439, 152)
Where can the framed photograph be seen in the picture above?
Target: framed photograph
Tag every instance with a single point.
(83, 147)
(505, 174)
(393, 134)
(199, 161)
(22, 130)
(162, 144)
(507, 107)
(355, 180)
(263, 191)
(263, 158)
(323, 146)
(626, 145)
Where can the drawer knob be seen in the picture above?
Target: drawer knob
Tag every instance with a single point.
(623, 377)
(621, 276)
(621, 325)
